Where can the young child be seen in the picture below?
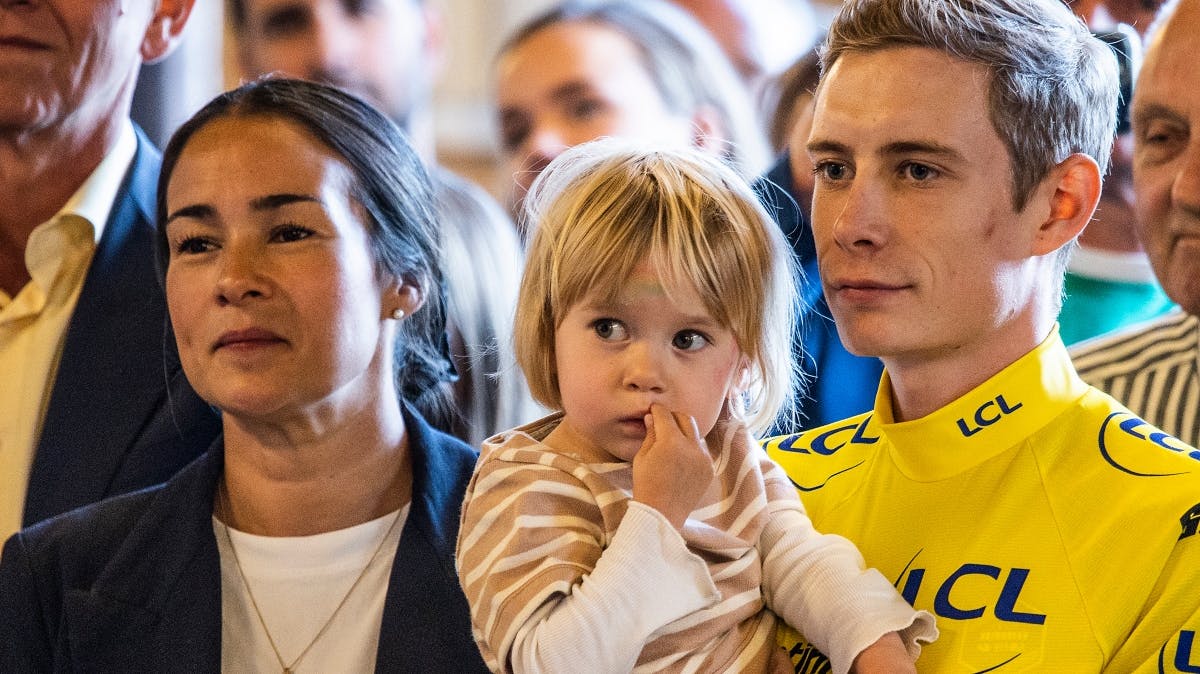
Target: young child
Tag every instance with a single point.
(642, 527)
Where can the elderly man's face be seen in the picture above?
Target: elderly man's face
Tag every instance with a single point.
(1166, 168)
(70, 60)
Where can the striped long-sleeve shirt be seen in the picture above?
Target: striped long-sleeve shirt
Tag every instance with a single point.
(1153, 369)
(564, 572)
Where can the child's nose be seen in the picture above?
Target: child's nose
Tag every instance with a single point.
(643, 369)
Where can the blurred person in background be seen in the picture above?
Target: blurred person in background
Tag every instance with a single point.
(639, 69)
(1154, 367)
(390, 53)
(793, 111)
(1105, 15)
(840, 384)
(92, 400)
(1110, 283)
(762, 38)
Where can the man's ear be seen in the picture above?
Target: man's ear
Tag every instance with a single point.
(1075, 190)
(166, 26)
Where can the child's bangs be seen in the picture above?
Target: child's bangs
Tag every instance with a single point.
(603, 237)
(598, 276)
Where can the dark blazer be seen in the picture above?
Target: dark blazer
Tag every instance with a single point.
(121, 414)
(133, 584)
(839, 383)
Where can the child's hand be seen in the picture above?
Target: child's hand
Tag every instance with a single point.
(886, 656)
(673, 468)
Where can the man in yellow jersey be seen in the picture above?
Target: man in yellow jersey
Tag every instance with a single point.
(959, 147)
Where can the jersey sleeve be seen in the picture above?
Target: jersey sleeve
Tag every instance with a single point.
(1163, 638)
(818, 584)
(549, 593)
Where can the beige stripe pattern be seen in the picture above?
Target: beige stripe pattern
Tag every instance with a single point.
(535, 522)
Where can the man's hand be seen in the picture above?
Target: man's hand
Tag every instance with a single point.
(673, 468)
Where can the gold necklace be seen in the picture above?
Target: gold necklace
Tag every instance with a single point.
(289, 669)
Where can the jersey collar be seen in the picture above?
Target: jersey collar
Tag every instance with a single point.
(999, 413)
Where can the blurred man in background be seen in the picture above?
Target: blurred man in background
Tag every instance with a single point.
(92, 398)
(1109, 282)
(1154, 368)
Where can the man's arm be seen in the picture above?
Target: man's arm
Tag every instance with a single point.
(1164, 638)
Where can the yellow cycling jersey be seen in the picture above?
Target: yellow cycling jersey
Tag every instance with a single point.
(1048, 528)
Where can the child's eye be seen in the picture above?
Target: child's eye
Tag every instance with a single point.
(608, 329)
(689, 340)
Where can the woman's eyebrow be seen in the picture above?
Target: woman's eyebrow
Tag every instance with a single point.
(274, 201)
(269, 202)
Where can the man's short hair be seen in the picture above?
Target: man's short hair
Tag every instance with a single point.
(1053, 89)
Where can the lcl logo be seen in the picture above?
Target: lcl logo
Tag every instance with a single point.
(987, 414)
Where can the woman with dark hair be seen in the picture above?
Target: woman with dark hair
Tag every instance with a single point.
(299, 253)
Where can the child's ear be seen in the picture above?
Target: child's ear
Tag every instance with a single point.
(744, 376)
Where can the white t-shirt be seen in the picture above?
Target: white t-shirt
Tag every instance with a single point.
(298, 583)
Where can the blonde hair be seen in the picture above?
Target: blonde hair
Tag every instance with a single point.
(601, 208)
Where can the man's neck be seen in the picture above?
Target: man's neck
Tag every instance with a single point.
(39, 171)
(923, 384)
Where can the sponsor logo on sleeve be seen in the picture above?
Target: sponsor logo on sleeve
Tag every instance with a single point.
(1126, 423)
(1190, 520)
(828, 442)
(1180, 654)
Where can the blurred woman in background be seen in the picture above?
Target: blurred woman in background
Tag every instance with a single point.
(637, 69)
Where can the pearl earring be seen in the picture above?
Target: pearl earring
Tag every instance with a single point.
(398, 314)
